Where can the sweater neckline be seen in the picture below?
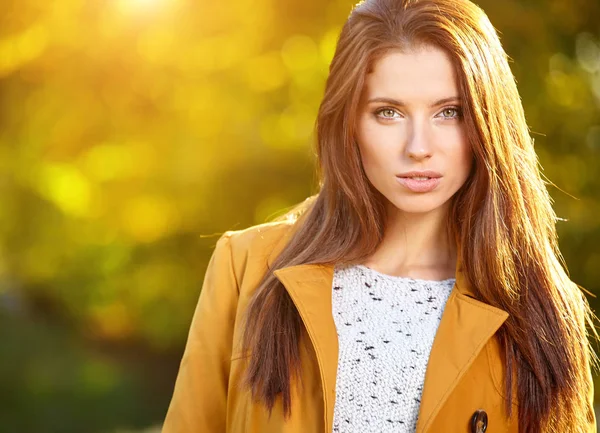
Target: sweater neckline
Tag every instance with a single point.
(403, 278)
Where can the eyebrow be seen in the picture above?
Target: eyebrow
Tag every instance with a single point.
(399, 103)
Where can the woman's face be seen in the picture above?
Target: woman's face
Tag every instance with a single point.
(410, 120)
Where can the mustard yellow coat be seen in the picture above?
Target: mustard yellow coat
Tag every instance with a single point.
(464, 372)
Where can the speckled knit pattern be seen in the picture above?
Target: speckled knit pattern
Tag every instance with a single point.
(385, 326)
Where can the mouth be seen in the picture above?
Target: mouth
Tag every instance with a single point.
(419, 184)
(417, 177)
(420, 175)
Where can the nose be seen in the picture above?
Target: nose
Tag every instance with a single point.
(419, 145)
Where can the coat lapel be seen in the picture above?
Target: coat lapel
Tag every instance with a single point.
(309, 286)
(466, 325)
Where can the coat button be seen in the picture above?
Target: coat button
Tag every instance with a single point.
(479, 421)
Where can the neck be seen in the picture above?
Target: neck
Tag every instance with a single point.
(416, 245)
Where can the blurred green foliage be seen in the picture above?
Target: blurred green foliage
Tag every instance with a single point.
(133, 132)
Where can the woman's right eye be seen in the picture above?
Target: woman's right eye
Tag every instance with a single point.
(386, 113)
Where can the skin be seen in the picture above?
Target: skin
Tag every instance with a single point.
(414, 133)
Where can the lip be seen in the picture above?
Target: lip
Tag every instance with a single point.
(416, 185)
(424, 173)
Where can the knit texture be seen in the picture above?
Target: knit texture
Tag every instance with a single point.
(385, 326)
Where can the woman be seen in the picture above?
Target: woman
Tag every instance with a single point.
(422, 288)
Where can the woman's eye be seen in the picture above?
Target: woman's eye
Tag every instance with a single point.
(386, 113)
(451, 113)
(447, 113)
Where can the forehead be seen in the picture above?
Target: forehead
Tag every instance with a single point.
(421, 74)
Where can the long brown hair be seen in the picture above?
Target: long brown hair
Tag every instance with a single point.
(502, 217)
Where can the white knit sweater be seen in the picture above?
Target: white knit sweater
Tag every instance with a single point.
(385, 326)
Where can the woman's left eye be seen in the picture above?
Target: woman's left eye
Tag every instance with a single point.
(451, 113)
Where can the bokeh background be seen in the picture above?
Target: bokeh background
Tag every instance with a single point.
(134, 132)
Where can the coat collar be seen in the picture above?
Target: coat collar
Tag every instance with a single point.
(466, 325)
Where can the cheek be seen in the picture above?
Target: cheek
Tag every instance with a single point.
(461, 156)
(463, 162)
(374, 160)
(466, 159)
(374, 144)
(366, 145)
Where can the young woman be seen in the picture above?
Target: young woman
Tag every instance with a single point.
(422, 288)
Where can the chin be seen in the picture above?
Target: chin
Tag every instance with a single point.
(417, 204)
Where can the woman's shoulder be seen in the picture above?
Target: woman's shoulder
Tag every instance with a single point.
(253, 249)
(268, 238)
(258, 239)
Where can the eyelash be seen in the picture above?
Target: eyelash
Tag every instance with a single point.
(452, 107)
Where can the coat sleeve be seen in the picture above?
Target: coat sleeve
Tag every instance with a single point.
(199, 400)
